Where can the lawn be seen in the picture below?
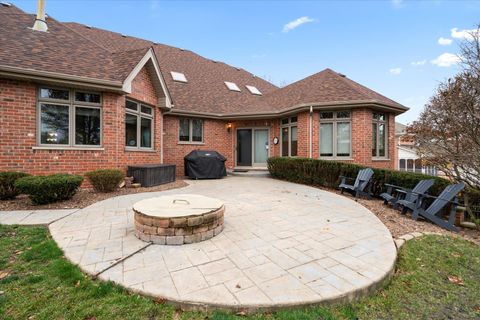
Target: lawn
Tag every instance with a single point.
(437, 277)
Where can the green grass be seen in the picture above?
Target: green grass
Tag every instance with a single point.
(41, 284)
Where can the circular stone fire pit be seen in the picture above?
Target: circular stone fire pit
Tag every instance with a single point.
(178, 219)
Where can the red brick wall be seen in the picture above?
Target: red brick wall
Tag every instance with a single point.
(362, 139)
(18, 132)
(216, 136)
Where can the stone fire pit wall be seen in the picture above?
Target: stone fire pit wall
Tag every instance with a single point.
(179, 230)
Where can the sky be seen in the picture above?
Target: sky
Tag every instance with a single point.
(399, 48)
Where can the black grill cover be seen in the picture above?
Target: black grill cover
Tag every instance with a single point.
(202, 164)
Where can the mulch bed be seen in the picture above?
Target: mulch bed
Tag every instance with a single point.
(83, 198)
(400, 224)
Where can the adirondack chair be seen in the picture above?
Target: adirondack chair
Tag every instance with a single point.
(362, 185)
(434, 211)
(407, 198)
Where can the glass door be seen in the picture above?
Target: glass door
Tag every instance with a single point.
(260, 147)
(244, 147)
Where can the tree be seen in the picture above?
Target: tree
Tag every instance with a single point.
(447, 133)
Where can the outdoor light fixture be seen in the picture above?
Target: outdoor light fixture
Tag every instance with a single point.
(229, 126)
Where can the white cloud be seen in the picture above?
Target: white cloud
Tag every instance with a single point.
(444, 41)
(418, 63)
(296, 23)
(446, 60)
(396, 71)
(462, 34)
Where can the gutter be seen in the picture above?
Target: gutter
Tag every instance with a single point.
(290, 111)
(59, 78)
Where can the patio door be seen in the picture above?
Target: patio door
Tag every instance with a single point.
(252, 147)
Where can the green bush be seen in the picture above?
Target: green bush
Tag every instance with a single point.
(326, 173)
(105, 180)
(7, 184)
(48, 189)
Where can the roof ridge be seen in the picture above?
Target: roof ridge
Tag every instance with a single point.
(110, 31)
(65, 25)
(131, 50)
(303, 79)
(354, 85)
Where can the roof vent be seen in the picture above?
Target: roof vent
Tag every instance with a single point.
(178, 76)
(232, 86)
(342, 75)
(124, 35)
(254, 90)
(6, 4)
(88, 27)
(40, 23)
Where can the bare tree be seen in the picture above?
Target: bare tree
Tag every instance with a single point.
(447, 132)
(470, 51)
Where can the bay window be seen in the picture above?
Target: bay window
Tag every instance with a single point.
(138, 126)
(190, 130)
(289, 137)
(335, 134)
(379, 135)
(69, 118)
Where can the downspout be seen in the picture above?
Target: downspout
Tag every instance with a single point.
(310, 127)
(162, 133)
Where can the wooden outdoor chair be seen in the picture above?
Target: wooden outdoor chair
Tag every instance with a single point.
(434, 212)
(407, 198)
(361, 186)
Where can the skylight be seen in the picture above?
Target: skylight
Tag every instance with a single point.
(178, 76)
(232, 86)
(254, 90)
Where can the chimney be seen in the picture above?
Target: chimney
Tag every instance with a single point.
(40, 23)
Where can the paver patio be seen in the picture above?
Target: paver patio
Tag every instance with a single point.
(283, 244)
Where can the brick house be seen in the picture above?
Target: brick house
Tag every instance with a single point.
(77, 98)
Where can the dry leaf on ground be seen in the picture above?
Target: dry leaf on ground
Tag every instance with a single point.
(456, 280)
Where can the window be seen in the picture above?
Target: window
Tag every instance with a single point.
(254, 90)
(138, 126)
(178, 76)
(232, 86)
(69, 118)
(289, 137)
(417, 165)
(335, 134)
(379, 135)
(190, 130)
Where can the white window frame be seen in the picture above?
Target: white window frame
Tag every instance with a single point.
(425, 169)
(289, 126)
(190, 131)
(334, 121)
(178, 77)
(72, 104)
(378, 122)
(139, 114)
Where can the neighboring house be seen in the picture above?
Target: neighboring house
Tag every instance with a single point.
(408, 159)
(77, 98)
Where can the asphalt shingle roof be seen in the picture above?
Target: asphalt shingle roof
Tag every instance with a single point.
(75, 49)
